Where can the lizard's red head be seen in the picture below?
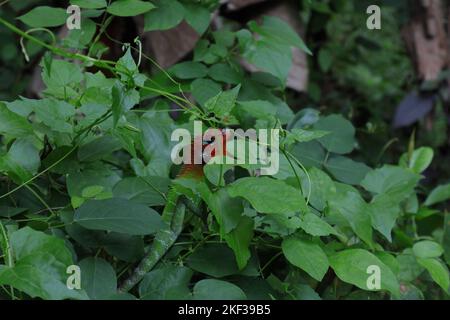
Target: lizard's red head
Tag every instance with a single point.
(212, 143)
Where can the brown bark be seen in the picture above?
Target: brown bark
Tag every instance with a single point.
(427, 39)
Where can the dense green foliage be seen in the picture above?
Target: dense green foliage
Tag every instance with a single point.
(85, 169)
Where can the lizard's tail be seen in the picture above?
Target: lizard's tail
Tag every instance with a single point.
(173, 217)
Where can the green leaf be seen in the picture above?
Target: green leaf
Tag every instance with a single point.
(61, 74)
(439, 194)
(437, 270)
(146, 190)
(197, 16)
(306, 255)
(119, 215)
(325, 60)
(129, 8)
(239, 240)
(189, 70)
(351, 266)
(427, 249)
(316, 226)
(22, 157)
(40, 266)
(226, 210)
(354, 210)
(346, 170)
(263, 194)
(43, 17)
(322, 187)
(279, 32)
(341, 139)
(421, 159)
(161, 284)
(446, 238)
(98, 278)
(265, 57)
(225, 73)
(211, 289)
(310, 154)
(123, 246)
(12, 124)
(205, 89)
(123, 100)
(89, 4)
(168, 14)
(393, 180)
(257, 109)
(222, 104)
(384, 211)
(301, 135)
(216, 260)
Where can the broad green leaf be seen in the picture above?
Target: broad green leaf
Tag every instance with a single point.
(258, 109)
(22, 160)
(89, 4)
(268, 58)
(316, 226)
(146, 190)
(99, 148)
(427, 249)
(216, 260)
(225, 73)
(223, 103)
(40, 266)
(123, 246)
(325, 60)
(55, 114)
(119, 215)
(306, 255)
(27, 241)
(205, 89)
(439, 194)
(160, 283)
(409, 268)
(168, 14)
(189, 70)
(346, 170)
(77, 182)
(263, 194)
(129, 8)
(322, 187)
(44, 16)
(396, 181)
(437, 270)
(98, 278)
(446, 238)
(279, 32)
(310, 154)
(211, 289)
(197, 16)
(355, 211)
(61, 74)
(12, 124)
(341, 138)
(351, 266)
(226, 210)
(384, 211)
(40, 275)
(239, 240)
(421, 159)
(123, 100)
(301, 135)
